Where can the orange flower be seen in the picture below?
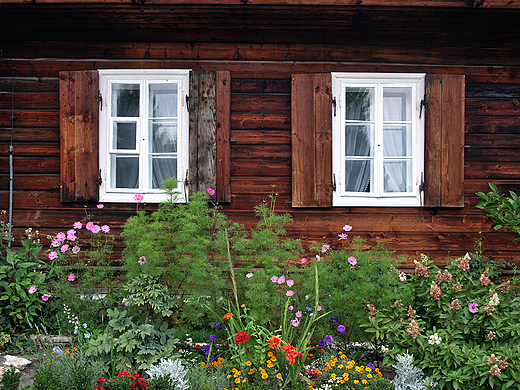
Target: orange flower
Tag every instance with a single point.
(274, 342)
(228, 316)
(291, 353)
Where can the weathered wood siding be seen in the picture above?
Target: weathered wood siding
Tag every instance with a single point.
(260, 124)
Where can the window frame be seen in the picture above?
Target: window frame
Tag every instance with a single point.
(144, 78)
(415, 81)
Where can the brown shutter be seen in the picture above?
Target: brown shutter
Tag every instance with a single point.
(209, 133)
(79, 139)
(444, 141)
(311, 118)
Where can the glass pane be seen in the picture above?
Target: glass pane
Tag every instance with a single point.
(125, 100)
(397, 141)
(124, 135)
(359, 103)
(358, 175)
(397, 104)
(163, 137)
(125, 171)
(359, 140)
(163, 100)
(163, 168)
(398, 176)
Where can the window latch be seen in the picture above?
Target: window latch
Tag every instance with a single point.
(334, 105)
(334, 183)
(422, 187)
(99, 180)
(100, 100)
(423, 105)
(187, 103)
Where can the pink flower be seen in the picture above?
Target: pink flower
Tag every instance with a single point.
(61, 236)
(347, 228)
(298, 314)
(72, 277)
(64, 248)
(125, 302)
(45, 297)
(71, 237)
(89, 225)
(290, 308)
(281, 280)
(32, 290)
(289, 293)
(56, 243)
(318, 308)
(295, 322)
(413, 329)
(105, 228)
(53, 255)
(324, 248)
(77, 225)
(142, 260)
(318, 258)
(95, 229)
(211, 191)
(274, 279)
(100, 206)
(138, 198)
(402, 276)
(352, 260)
(249, 275)
(342, 236)
(304, 260)
(290, 283)
(75, 250)
(473, 306)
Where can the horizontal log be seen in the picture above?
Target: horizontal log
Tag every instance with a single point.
(31, 150)
(260, 85)
(497, 140)
(31, 165)
(507, 107)
(491, 171)
(259, 151)
(29, 101)
(30, 118)
(504, 186)
(478, 154)
(493, 126)
(261, 137)
(260, 103)
(29, 84)
(260, 167)
(261, 185)
(488, 90)
(27, 182)
(24, 134)
(247, 121)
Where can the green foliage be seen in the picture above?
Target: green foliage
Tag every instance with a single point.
(503, 211)
(4, 339)
(22, 280)
(11, 379)
(463, 330)
(208, 377)
(128, 342)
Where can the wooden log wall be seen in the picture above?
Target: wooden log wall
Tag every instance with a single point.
(260, 135)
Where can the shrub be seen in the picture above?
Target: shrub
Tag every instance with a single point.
(11, 379)
(168, 374)
(409, 377)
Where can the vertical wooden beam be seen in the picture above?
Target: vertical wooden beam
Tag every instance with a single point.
(79, 136)
(223, 152)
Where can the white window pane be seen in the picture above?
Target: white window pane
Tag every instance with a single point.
(359, 104)
(163, 137)
(124, 135)
(359, 140)
(163, 168)
(398, 176)
(358, 175)
(397, 104)
(397, 141)
(163, 100)
(125, 171)
(125, 100)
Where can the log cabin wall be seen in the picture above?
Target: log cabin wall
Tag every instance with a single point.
(262, 46)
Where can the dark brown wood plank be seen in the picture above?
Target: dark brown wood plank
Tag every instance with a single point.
(261, 137)
(29, 101)
(29, 182)
(504, 107)
(260, 167)
(433, 141)
(31, 150)
(261, 121)
(260, 103)
(29, 84)
(31, 165)
(223, 120)
(261, 85)
(492, 171)
(39, 119)
(493, 155)
(260, 151)
(24, 134)
(261, 185)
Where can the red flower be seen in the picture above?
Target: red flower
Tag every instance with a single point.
(197, 346)
(291, 353)
(101, 379)
(241, 337)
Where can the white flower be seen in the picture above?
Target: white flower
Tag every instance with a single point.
(494, 300)
(434, 339)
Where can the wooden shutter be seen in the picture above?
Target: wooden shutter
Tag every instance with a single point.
(444, 141)
(209, 133)
(311, 118)
(79, 126)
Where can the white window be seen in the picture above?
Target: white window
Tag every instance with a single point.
(143, 132)
(378, 139)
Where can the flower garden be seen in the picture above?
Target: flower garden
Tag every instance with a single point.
(199, 302)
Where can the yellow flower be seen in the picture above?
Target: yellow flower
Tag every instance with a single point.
(244, 380)
(180, 350)
(242, 306)
(237, 380)
(340, 366)
(269, 364)
(364, 381)
(74, 349)
(234, 370)
(369, 376)
(269, 354)
(230, 376)
(368, 369)
(279, 376)
(273, 358)
(264, 375)
(251, 372)
(248, 363)
(356, 381)
(67, 350)
(333, 375)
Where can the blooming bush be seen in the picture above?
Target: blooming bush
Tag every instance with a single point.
(464, 331)
(123, 381)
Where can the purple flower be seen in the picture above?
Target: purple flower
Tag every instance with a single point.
(372, 367)
(329, 340)
(217, 325)
(321, 344)
(334, 321)
(341, 328)
(125, 302)
(352, 260)
(473, 306)
(141, 260)
(206, 348)
(212, 337)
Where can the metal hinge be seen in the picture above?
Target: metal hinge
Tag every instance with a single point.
(423, 105)
(422, 187)
(334, 182)
(100, 100)
(187, 98)
(99, 180)
(334, 103)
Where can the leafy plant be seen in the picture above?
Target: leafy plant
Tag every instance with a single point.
(503, 211)
(123, 381)
(11, 379)
(409, 377)
(169, 373)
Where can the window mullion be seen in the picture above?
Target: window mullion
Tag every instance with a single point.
(378, 155)
(143, 138)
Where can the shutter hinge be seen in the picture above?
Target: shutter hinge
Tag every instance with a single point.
(334, 105)
(423, 105)
(187, 103)
(99, 180)
(334, 182)
(100, 100)
(422, 187)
